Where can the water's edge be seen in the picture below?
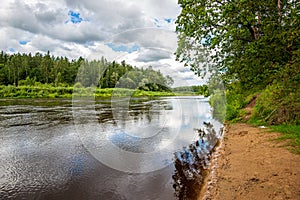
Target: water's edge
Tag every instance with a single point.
(211, 178)
(191, 178)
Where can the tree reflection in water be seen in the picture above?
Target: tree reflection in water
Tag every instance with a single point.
(191, 163)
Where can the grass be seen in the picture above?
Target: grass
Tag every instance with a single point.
(256, 122)
(290, 133)
(49, 91)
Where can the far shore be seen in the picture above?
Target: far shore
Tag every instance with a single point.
(48, 91)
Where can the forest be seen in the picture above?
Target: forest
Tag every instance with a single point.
(252, 47)
(21, 69)
(44, 76)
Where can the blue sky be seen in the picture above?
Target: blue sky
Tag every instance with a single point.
(75, 17)
(23, 42)
(142, 32)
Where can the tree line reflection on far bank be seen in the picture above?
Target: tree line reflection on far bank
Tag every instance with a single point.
(191, 163)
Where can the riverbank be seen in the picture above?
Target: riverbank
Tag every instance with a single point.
(68, 92)
(251, 164)
(48, 91)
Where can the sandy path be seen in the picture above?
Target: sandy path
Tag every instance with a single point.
(249, 165)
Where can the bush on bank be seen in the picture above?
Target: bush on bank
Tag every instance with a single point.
(48, 91)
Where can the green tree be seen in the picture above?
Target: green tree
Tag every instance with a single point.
(169, 81)
(127, 83)
(248, 41)
(14, 65)
(57, 79)
(52, 70)
(46, 66)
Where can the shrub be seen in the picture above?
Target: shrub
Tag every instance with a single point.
(235, 101)
(278, 105)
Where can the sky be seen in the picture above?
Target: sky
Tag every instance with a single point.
(141, 32)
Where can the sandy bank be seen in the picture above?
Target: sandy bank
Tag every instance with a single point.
(249, 164)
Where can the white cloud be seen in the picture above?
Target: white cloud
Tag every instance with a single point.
(152, 55)
(145, 28)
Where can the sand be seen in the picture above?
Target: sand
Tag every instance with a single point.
(251, 164)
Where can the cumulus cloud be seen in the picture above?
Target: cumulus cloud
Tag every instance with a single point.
(123, 48)
(142, 32)
(152, 55)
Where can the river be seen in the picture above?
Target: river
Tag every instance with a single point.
(106, 149)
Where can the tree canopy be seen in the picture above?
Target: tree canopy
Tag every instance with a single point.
(18, 69)
(253, 42)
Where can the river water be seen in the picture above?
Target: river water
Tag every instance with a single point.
(104, 149)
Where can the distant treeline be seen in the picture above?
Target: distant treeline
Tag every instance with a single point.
(194, 89)
(27, 69)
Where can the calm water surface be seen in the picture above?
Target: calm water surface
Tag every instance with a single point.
(59, 149)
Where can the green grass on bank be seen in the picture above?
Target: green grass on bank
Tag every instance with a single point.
(290, 133)
(276, 106)
(49, 91)
(35, 91)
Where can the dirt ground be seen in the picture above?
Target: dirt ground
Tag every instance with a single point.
(250, 164)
